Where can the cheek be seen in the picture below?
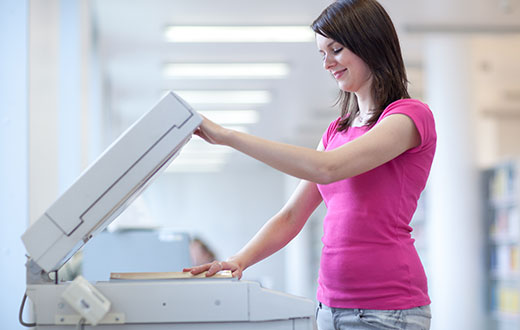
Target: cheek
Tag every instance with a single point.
(362, 71)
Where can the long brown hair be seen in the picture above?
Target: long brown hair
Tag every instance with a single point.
(364, 27)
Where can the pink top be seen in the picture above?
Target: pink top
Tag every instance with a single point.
(369, 259)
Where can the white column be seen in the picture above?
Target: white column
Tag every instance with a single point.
(43, 104)
(455, 226)
(59, 98)
(14, 160)
(69, 91)
(93, 141)
(79, 109)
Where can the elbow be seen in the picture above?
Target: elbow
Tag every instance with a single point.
(325, 175)
(329, 169)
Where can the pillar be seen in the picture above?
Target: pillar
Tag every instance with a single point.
(455, 228)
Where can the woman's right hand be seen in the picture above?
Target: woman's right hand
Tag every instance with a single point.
(210, 131)
(216, 266)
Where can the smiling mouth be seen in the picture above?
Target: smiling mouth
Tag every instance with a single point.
(339, 73)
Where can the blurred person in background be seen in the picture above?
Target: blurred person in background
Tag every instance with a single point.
(200, 253)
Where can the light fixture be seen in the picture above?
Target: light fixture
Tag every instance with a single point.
(232, 117)
(193, 161)
(226, 70)
(239, 34)
(225, 96)
(200, 156)
(196, 167)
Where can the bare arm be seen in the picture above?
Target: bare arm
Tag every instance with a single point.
(392, 136)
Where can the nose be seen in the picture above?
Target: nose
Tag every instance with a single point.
(328, 62)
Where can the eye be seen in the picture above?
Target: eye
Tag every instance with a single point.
(337, 50)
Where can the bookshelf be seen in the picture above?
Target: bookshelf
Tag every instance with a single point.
(502, 213)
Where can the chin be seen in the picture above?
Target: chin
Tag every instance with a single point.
(344, 87)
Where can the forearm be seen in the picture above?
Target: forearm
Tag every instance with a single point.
(304, 163)
(272, 237)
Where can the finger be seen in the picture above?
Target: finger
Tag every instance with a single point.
(200, 269)
(215, 267)
(237, 273)
(228, 266)
(203, 136)
(199, 133)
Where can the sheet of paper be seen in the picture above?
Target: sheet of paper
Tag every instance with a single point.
(166, 275)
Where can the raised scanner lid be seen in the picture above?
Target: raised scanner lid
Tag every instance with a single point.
(111, 183)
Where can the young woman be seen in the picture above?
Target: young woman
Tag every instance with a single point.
(369, 168)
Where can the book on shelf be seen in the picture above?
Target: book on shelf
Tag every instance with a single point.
(506, 300)
(505, 261)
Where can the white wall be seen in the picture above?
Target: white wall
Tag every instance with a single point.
(225, 209)
(14, 161)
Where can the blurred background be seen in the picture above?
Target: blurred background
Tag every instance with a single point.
(74, 74)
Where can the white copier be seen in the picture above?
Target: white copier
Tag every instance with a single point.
(96, 198)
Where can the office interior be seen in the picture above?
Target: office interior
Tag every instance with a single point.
(75, 74)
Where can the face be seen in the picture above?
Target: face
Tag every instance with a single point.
(349, 70)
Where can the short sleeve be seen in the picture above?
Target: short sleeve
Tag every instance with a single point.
(422, 117)
(330, 132)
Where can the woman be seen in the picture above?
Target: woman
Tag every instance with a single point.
(369, 168)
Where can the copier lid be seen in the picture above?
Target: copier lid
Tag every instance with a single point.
(111, 183)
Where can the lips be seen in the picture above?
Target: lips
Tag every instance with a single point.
(339, 73)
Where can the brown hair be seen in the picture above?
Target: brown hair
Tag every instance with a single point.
(364, 27)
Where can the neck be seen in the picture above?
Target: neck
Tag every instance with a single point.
(365, 104)
(364, 98)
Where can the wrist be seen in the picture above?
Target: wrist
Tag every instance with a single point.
(237, 261)
(226, 137)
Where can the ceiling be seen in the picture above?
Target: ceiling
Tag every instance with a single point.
(133, 52)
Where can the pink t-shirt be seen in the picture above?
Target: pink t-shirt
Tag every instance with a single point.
(369, 259)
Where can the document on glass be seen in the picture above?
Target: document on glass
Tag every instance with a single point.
(166, 275)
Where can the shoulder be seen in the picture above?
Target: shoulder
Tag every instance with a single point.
(408, 107)
(419, 113)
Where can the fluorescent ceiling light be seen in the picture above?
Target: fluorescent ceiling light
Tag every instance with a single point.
(226, 70)
(197, 144)
(227, 117)
(199, 161)
(239, 34)
(225, 97)
(199, 168)
(197, 152)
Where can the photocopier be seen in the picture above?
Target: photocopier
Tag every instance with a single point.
(91, 203)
